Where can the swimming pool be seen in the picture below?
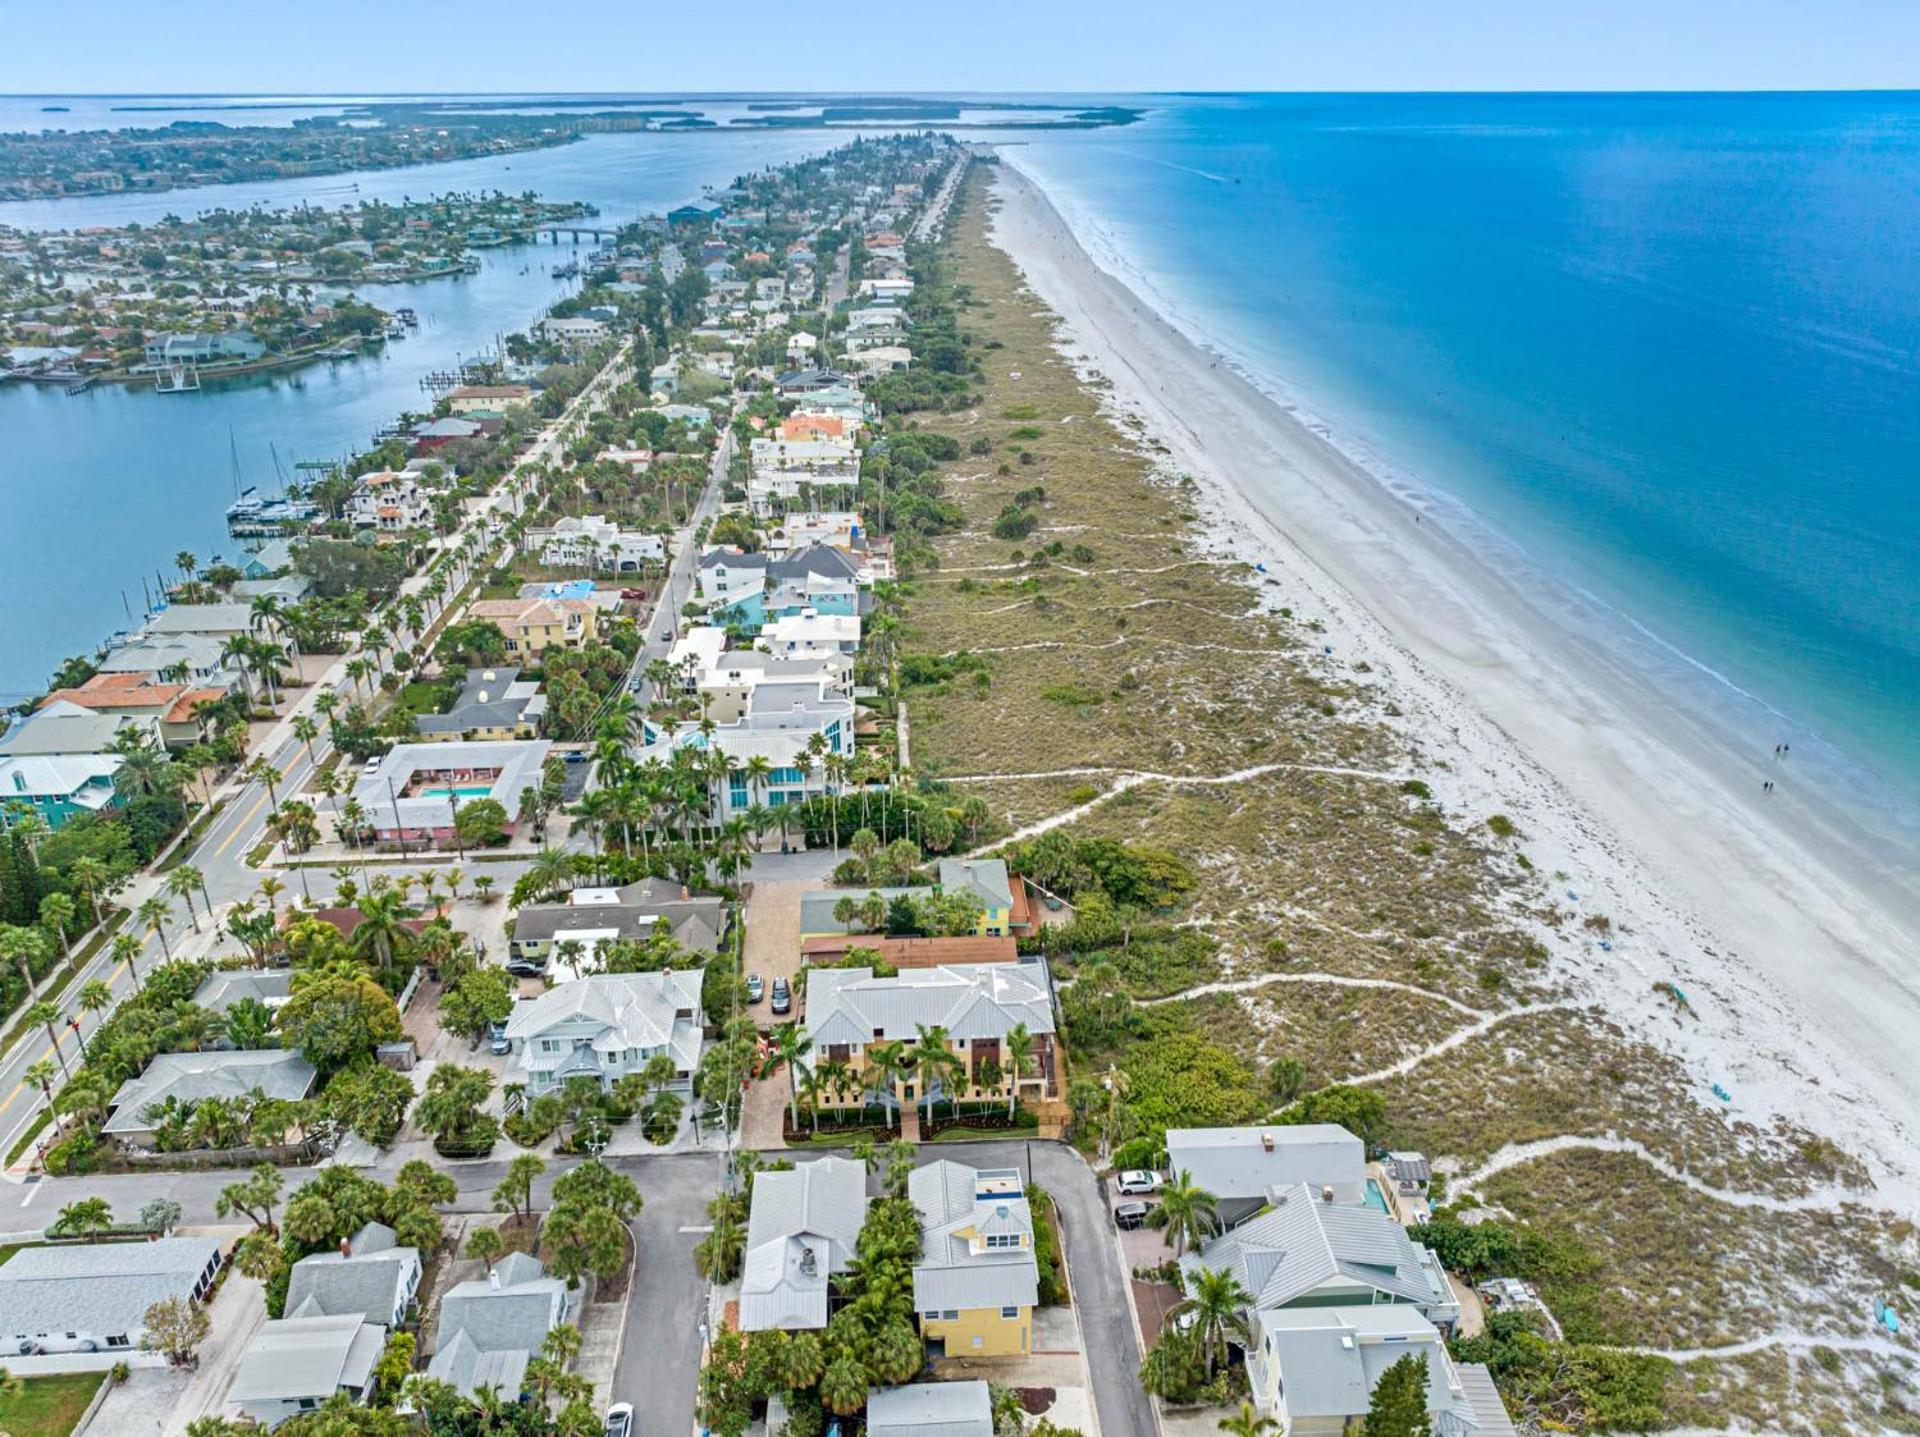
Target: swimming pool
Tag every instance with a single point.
(480, 790)
(1377, 1198)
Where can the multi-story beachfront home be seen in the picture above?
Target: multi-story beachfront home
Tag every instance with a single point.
(1242, 1166)
(785, 723)
(55, 787)
(794, 472)
(595, 542)
(977, 1282)
(606, 1025)
(532, 626)
(418, 788)
(975, 1008)
(390, 502)
(809, 632)
(1313, 1370)
(576, 335)
(1309, 1250)
(200, 660)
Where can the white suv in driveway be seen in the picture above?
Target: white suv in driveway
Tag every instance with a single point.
(1137, 1182)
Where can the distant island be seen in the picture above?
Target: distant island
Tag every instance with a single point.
(54, 164)
(235, 291)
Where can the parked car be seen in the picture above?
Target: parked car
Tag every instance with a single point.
(497, 1039)
(620, 1419)
(373, 765)
(756, 989)
(526, 967)
(1137, 1181)
(1129, 1216)
(782, 996)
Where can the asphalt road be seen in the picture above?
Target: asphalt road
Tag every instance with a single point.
(220, 854)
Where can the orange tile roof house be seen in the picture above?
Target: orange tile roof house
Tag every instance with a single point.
(532, 626)
(176, 707)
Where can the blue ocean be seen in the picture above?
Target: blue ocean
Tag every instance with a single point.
(1666, 344)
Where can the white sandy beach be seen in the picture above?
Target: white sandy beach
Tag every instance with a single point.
(1795, 934)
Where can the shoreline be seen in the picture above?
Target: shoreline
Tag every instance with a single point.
(1778, 915)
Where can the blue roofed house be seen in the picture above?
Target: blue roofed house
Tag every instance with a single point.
(269, 559)
(57, 786)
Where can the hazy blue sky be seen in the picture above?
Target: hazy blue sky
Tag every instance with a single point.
(409, 45)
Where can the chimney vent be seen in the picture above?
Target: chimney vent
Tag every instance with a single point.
(346, 1247)
(1266, 1141)
(1326, 1193)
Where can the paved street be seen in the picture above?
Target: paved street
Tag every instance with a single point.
(660, 1356)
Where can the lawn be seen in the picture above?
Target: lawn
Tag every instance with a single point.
(48, 1406)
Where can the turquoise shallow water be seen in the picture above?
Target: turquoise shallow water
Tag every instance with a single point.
(1666, 344)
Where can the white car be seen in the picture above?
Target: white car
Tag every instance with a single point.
(620, 1419)
(1137, 1181)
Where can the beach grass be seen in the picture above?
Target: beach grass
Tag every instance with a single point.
(1141, 686)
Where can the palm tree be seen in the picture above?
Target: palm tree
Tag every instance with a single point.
(1249, 1421)
(552, 872)
(1187, 1211)
(1019, 1051)
(41, 1075)
(789, 1046)
(1216, 1304)
(886, 1064)
(383, 929)
(270, 889)
(126, 948)
(47, 1015)
(932, 1061)
(306, 730)
(181, 884)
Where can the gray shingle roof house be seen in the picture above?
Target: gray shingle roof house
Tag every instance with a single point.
(607, 1025)
(493, 704)
(698, 920)
(296, 1363)
(1241, 1166)
(1309, 1252)
(931, 1409)
(802, 1231)
(373, 1277)
(94, 1297)
(221, 991)
(191, 1077)
(492, 1326)
(976, 1239)
(65, 727)
(1314, 1369)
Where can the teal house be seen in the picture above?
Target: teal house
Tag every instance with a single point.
(57, 786)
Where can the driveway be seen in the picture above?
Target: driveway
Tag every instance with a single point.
(773, 939)
(237, 1314)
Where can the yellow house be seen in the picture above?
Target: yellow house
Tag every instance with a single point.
(532, 626)
(976, 1284)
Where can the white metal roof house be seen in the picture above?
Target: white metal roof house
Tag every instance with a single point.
(607, 1025)
(296, 1363)
(976, 1257)
(1242, 1166)
(1308, 1252)
(931, 1409)
(801, 1232)
(93, 1297)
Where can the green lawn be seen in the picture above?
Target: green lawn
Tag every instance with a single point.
(49, 1406)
